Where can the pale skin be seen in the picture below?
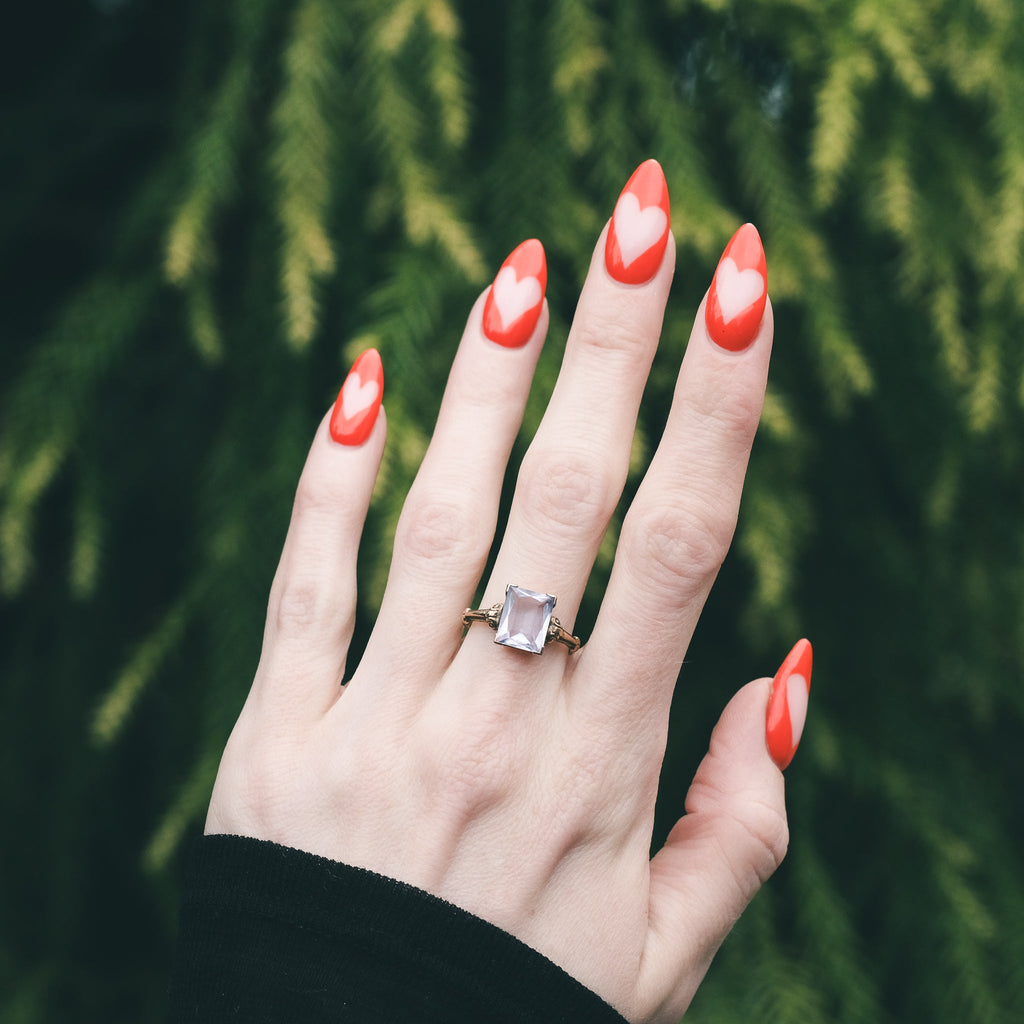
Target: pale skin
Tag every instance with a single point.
(516, 786)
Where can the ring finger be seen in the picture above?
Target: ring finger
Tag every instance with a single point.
(447, 524)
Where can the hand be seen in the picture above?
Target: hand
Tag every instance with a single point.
(522, 787)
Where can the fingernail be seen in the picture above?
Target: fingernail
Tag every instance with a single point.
(639, 230)
(787, 705)
(517, 296)
(355, 410)
(738, 292)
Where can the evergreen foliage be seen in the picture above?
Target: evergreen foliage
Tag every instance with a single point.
(211, 209)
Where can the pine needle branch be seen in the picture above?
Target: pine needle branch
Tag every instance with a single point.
(302, 161)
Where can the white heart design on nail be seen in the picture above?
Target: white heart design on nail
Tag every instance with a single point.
(737, 289)
(513, 298)
(357, 396)
(636, 230)
(796, 700)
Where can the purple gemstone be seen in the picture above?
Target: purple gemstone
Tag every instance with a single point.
(524, 619)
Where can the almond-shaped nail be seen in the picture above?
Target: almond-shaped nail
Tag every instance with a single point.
(358, 403)
(738, 292)
(638, 234)
(787, 705)
(517, 296)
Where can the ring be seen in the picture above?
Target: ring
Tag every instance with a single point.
(523, 621)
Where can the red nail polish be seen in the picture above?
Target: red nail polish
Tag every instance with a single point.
(517, 296)
(639, 230)
(355, 410)
(738, 292)
(787, 705)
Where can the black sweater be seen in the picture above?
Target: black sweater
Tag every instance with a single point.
(271, 934)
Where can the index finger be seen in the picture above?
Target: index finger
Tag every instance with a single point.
(680, 525)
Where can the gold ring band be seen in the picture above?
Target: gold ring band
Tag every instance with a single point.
(524, 621)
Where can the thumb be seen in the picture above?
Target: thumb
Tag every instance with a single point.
(734, 834)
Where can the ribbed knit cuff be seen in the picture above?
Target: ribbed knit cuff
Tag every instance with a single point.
(270, 933)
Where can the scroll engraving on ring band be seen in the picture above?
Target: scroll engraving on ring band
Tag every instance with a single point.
(524, 621)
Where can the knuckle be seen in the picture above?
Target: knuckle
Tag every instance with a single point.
(302, 608)
(435, 527)
(610, 329)
(765, 836)
(588, 799)
(680, 549)
(315, 500)
(467, 764)
(494, 392)
(568, 491)
(296, 606)
(736, 414)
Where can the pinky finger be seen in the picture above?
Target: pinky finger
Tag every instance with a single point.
(311, 613)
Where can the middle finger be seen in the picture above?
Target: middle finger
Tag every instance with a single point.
(573, 473)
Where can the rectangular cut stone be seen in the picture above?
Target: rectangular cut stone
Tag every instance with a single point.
(524, 619)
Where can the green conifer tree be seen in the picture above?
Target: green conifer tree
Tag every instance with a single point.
(211, 209)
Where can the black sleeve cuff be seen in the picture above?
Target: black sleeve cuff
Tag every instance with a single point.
(270, 933)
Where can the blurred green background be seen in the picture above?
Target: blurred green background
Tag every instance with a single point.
(207, 209)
